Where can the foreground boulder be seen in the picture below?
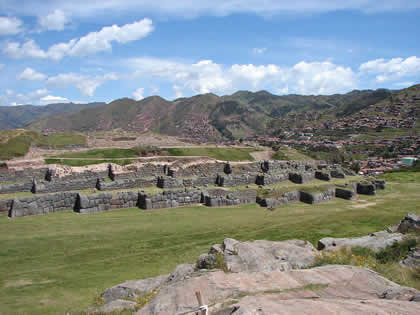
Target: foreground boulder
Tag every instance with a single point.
(413, 258)
(323, 290)
(375, 241)
(411, 223)
(259, 256)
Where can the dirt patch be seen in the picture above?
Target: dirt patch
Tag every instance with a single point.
(17, 283)
(364, 205)
(262, 155)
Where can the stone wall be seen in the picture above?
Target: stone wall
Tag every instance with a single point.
(348, 194)
(232, 181)
(169, 199)
(63, 184)
(128, 183)
(15, 188)
(271, 179)
(322, 176)
(24, 175)
(286, 198)
(42, 204)
(135, 171)
(220, 198)
(301, 178)
(106, 201)
(366, 189)
(5, 205)
(317, 197)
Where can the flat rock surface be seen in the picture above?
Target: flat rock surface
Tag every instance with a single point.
(329, 289)
(375, 241)
(257, 256)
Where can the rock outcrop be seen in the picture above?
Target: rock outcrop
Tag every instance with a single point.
(323, 290)
(260, 256)
(375, 241)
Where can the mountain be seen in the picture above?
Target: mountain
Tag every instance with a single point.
(12, 117)
(241, 114)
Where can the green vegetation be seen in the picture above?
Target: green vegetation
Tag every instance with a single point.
(402, 176)
(101, 154)
(289, 155)
(225, 154)
(61, 262)
(82, 162)
(127, 156)
(385, 262)
(18, 144)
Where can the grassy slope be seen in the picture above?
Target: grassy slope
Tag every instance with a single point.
(19, 144)
(227, 154)
(62, 261)
(290, 155)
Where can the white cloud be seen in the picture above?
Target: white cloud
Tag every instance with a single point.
(259, 51)
(50, 99)
(28, 49)
(85, 83)
(55, 21)
(206, 76)
(190, 8)
(31, 75)
(10, 25)
(37, 97)
(395, 68)
(322, 78)
(138, 94)
(91, 43)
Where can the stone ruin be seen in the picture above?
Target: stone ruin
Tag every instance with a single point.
(183, 183)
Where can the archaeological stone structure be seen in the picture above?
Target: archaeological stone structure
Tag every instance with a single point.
(177, 183)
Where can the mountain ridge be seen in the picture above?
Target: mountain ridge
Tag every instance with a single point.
(212, 117)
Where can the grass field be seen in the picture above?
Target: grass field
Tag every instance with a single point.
(225, 154)
(60, 262)
(118, 155)
(18, 143)
(290, 155)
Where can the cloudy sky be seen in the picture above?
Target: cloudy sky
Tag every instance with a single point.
(100, 50)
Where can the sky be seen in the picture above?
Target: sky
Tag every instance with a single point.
(55, 51)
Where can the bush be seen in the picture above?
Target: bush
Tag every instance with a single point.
(396, 251)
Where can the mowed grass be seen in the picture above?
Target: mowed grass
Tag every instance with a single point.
(61, 262)
(101, 154)
(107, 155)
(225, 154)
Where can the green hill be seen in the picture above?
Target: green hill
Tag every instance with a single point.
(12, 117)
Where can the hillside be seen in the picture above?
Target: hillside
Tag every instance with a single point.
(242, 114)
(12, 117)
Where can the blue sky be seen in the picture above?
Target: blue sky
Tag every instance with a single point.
(83, 51)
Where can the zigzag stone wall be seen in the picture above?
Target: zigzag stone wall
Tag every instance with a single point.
(105, 201)
(24, 175)
(60, 184)
(42, 204)
(127, 183)
(15, 188)
(169, 199)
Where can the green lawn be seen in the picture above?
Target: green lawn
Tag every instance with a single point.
(101, 154)
(105, 155)
(62, 261)
(225, 154)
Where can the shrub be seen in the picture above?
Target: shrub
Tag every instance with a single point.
(396, 251)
